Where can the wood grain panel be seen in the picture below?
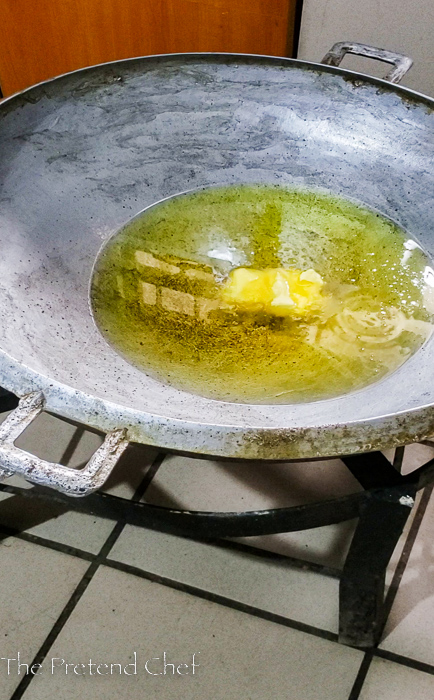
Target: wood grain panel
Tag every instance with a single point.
(43, 38)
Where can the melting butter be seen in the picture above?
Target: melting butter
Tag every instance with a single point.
(277, 291)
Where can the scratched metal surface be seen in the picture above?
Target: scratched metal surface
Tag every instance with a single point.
(82, 154)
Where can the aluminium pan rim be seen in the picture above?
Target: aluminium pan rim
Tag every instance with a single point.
(354, 76)
(235, 442)
(239, 442)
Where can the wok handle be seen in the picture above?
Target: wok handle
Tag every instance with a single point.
(402, 64)
(73, 482)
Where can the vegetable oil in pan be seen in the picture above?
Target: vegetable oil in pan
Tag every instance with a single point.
(262, 294)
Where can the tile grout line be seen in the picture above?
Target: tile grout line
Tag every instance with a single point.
(221, 600)
(67, 611)
(85, 581)
(404, 661)
(389, 600)
(406, 551)
(361, 676)
(72, 446)
(142, 573)
(291, 562)
(387, 656)
(224, 542)
(47, 543)
(294, 562)
(144, 484)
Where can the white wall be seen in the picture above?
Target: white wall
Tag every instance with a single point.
(404, 26)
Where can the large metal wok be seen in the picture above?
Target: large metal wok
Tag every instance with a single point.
(81, 154)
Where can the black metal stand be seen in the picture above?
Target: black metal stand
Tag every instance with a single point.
(382, 508)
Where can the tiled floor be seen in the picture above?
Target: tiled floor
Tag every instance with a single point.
(259, 614)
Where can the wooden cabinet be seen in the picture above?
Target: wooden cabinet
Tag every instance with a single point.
(43, 38)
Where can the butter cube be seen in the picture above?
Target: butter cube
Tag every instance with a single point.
(276, 291)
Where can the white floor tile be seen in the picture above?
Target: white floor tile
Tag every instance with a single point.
(389, 681)
(414, 456)
(305, 596)
(240, 656)
(409, 630)
(53, 522)
(195, 484)
(130, 471)
(35, 585)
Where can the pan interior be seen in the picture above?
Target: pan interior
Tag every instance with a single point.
(159, 294)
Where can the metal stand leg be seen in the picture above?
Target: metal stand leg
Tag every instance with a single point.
(361, 593)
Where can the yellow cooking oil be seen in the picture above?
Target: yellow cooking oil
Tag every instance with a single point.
(263, 294)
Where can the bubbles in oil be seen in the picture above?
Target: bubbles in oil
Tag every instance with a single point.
(339, 296)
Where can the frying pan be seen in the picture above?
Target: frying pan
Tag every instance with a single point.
(83, 153)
